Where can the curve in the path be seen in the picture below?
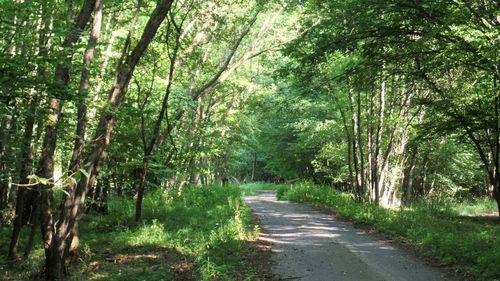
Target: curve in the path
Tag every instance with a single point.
(313, 246)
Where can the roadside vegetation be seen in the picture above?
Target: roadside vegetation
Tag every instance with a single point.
(450, 231)
(201, 234)
(105, 104)
(249, 189)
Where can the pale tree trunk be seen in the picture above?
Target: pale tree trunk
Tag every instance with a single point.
(360, 147)
(495, 182)
(197, 163)
(354, 134)
(408, 178)
(370, 146)
(9, 128)
(376, 172)
(4, 175)
(392, 195)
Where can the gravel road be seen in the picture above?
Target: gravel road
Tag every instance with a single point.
(314, 246)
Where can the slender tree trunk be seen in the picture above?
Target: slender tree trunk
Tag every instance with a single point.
(254, 165)
(25, 170)
(496, 191)
(496, 150)
(6, 158)
(35, 223)
(370, 146)
(360, 147)
(103, 199)
(408, 178)
(123, 76)
(149, 147)
(4, 175)
(141, 188)
(378, 142)
(354, 134)
(53, 240)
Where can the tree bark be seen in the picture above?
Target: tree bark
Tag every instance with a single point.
(54, 248)
(378, 141)
(117, 94)
(149, 147)
(360, 147)
(25, 171)
(354, 135)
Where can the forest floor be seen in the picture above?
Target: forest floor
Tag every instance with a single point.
(206, 233)
(309, 244)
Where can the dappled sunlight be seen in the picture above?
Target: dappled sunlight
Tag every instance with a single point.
(143, 262)
(310, 245)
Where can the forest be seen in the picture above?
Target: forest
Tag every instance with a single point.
(134, 128)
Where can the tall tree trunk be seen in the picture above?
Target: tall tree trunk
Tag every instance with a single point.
(103, 199)
(354, 135)
(25, 170)
(149, 147)
(141, 187)
(360, 147)
(254, 165)
(34, 221)
(409, 178)
(376, 172)
(4, 175)
(496, 149)
(7, 156)
(123, 76)
(54, 248)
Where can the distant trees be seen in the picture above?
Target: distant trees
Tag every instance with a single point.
(386, 98)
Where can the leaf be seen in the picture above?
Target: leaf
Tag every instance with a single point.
(77, 177)
(72, 180)
(65, 192)
(43, 181)
(85, 173)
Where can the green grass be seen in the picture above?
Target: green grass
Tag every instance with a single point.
(249, 189)
(203, 231)
(437, 231)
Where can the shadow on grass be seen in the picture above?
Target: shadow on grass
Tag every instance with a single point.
(136, 263)
(200, 233)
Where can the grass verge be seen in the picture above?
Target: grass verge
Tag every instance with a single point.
(199, 235)
(443, 235)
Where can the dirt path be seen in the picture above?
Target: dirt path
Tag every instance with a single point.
(310, 245)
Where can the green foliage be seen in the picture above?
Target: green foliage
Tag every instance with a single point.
(250, 188)
(436, 228)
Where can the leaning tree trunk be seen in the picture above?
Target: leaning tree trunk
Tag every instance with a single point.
(54, 267)
(123, 76)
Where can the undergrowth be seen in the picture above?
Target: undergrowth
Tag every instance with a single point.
(203, 228)
(249, 189)
(437, 230)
